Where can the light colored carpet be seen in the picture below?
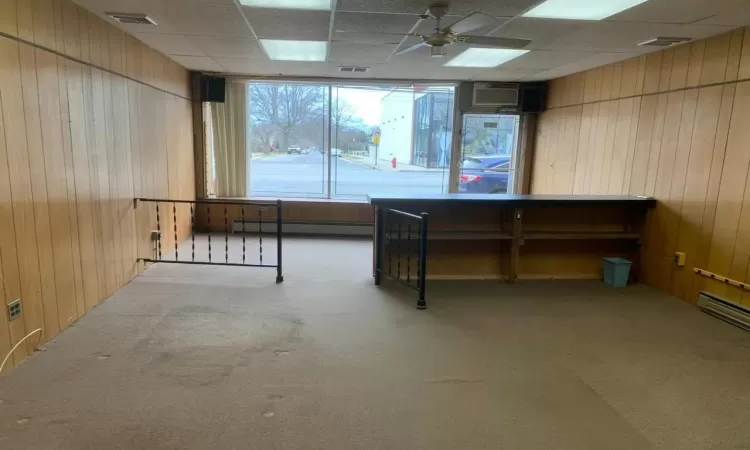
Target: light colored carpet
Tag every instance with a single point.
(191, 357)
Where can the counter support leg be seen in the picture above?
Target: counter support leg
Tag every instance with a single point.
(378, 244)
(515, 245)
(422, 275)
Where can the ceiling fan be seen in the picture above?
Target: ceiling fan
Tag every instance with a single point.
(443, 37)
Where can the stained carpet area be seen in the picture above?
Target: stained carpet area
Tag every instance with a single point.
(192, 357)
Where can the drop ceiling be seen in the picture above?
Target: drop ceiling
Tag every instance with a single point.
(222, 36)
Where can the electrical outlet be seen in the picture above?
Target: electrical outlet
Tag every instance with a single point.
(679, 259)
(14, 309)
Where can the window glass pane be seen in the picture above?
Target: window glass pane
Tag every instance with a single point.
(337, 141)
(489, 154)
(286, 137)
(390, 139)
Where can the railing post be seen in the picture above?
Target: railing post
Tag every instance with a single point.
(279, 222)
(226, 235)
(379, 212)
(192, 230)
(242, 209)
(158, 229)
(174, 226)
(208, 216)
(422, 279)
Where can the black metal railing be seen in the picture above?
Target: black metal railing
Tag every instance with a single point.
(173, 255)
(400, 241)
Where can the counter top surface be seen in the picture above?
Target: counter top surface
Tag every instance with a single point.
(512, 200)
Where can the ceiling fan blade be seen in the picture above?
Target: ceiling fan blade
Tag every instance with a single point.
(410, 49)
(378, 33)
(489, 41)
(471, 22)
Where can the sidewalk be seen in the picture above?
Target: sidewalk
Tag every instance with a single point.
(385, 166)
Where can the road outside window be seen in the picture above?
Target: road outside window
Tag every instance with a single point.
(376, 139)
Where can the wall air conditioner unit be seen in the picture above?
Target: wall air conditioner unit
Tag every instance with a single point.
(495, 95)
(724, 310)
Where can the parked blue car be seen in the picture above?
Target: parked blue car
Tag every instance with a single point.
(485, 174)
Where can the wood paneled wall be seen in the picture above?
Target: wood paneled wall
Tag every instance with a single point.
(674, 125)
(89, 119)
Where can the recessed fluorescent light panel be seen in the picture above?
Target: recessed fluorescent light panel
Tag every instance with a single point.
(581, 9)
(319, 5)
(484, 57)
(281, 50)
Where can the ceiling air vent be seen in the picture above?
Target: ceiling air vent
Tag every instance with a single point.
(352, 69)
(664, 41)
(137, 19)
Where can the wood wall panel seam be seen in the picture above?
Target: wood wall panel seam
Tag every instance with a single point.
(94, 66)
(667, 91)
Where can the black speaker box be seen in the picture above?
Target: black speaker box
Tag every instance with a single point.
(213, 89)
(532, 97)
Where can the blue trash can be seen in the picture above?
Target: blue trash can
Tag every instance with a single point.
(616, 272)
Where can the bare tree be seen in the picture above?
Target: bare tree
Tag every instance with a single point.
(287, 106)
(342, 114)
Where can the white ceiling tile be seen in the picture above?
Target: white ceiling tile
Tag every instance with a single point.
(230, 47)
(206, 20)
(419, 71)
(197, 63)
(349, 52)
(503, 74)
(544, 59)
(541, 31)
(625, 36)
(595, 60)
(294, 68)
(170, 44)
(289, 24)
(677, 11)
(503, 8)
(366, 38)
(736, 14)
(374, 23)
(240, 65)
(384, 6)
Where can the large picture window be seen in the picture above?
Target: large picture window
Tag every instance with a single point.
(302, 140)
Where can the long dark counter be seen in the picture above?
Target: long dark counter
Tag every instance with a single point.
(505, 237)
(538, 200)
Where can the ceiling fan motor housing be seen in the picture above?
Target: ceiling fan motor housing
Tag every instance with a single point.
(438, 51)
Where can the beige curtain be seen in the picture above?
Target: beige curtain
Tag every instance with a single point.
(229, 127)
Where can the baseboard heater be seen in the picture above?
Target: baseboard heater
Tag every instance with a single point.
(305, 228)
(725, 310)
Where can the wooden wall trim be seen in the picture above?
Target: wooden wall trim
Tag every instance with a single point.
(72, 32)
(667, 91)
(93, 66)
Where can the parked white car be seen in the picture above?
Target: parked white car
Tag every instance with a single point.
(335, 152)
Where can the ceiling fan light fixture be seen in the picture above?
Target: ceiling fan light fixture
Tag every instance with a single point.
(283, 50)
(314, 5)
(484, 57)
(438, 52)
(581, 9)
